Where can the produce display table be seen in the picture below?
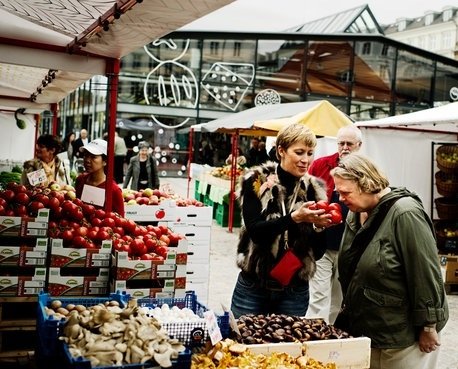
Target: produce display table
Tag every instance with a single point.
(215, 192)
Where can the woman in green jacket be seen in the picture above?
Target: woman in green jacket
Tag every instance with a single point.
(395, 294)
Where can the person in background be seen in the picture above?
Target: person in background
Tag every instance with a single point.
(275, 201)
(252, 155)
(273, 153)
(142, 170)
(120, 151)
(78, 144)
(68, 147)
(262, 154)
(395, 293)
(325, 292)
(241, 160)
(46, 149)
(95, 162)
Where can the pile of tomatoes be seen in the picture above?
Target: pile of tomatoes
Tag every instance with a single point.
(82, 225)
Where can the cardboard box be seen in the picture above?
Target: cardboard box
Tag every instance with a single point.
(25, 255)
(165, 211)
(451, 268)
(95, 283)
(125, 269)
(348, 353)
(192, 233)
(167, 291)
(29, 285)
(25, 226)
(76, 258)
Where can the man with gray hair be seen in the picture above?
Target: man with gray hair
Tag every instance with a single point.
(325, 291)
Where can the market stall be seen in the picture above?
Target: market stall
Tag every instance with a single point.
(323, 118)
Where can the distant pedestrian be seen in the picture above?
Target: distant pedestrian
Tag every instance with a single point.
(142, 170)
(252, 154)
(120, 151)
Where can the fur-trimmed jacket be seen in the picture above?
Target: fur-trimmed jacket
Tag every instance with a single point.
(264, 190)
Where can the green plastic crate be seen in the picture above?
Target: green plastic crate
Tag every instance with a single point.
(222, 215)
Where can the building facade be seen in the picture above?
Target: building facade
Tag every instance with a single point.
(188, 78)
(435, 31)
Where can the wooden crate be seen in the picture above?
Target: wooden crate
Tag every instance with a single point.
(348, 353)
(17, 329)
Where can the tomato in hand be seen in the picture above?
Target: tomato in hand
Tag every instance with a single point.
(336, 216)
(334, 206)
(322, 204)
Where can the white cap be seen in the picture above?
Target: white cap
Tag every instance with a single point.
(97, 147)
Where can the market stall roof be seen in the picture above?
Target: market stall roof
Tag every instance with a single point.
(324, 119)
(49, 48)
(248, 122)
(440, 119)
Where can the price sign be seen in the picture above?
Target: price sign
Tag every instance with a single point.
(37, 177)
(212, 327)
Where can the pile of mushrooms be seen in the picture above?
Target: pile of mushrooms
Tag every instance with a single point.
(107, 334)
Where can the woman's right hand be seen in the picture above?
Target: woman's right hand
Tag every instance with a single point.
(317, 217)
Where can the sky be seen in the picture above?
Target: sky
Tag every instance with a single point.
(277, 15)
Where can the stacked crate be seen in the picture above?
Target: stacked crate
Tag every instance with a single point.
(78, 271)
(194, 223)
(23, 253)
(151, 278)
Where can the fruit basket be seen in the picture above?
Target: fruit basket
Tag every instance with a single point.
(447, 184)
(447, 208)
(447, 235)
(447, 158)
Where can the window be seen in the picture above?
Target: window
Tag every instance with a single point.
(237, 48)
(429, 19)
(385, 49)
(402, 25)
(447, 15)
(214, 46)
(446, 40)
(366, 48)
(432, 42)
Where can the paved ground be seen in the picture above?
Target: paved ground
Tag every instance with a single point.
(223, 274)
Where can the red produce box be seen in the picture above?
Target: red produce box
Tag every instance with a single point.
(72, 257)
(23, 285)
(25, 255)
(95, 283)
(25, 226)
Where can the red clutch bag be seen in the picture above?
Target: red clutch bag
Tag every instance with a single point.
(285, 269)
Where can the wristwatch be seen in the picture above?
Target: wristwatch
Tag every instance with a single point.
(429, 329)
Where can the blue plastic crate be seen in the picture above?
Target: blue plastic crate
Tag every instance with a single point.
(68, 362)
(49, 329)
(191, 334)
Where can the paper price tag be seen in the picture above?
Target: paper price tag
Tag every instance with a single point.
(37, 177)
(93, 195)
(212, 327)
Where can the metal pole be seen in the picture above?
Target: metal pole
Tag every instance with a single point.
(113, 66)
(235, 147)
(190, 155)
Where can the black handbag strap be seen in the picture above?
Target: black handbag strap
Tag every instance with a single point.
(362, 239)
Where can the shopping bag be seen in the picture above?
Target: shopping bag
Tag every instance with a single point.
(285, 269)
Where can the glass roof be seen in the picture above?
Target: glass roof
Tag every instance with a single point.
(356, 20)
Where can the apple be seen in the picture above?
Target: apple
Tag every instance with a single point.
(55, 186)
(131, 202)
(153, 200)
(70, 195)
(147, 192)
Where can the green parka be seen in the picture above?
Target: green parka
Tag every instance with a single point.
(397, 287)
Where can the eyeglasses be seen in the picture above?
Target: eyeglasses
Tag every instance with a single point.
(346, 143)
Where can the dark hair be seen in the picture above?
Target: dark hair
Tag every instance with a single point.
(50, 142)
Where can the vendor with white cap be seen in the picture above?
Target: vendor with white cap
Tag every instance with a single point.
(89, 184)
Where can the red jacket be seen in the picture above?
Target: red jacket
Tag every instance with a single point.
(321, 167)
(116, 193)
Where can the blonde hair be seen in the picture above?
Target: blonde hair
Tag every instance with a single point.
(293, 133)
(360, 169)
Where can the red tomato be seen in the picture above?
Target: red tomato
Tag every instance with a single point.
(334, 206)
(99, 213)
(162, 251)
(109, 222)
(137, 246)
(336, 216)
(322, 204)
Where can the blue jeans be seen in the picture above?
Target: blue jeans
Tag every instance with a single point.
(252, 297)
